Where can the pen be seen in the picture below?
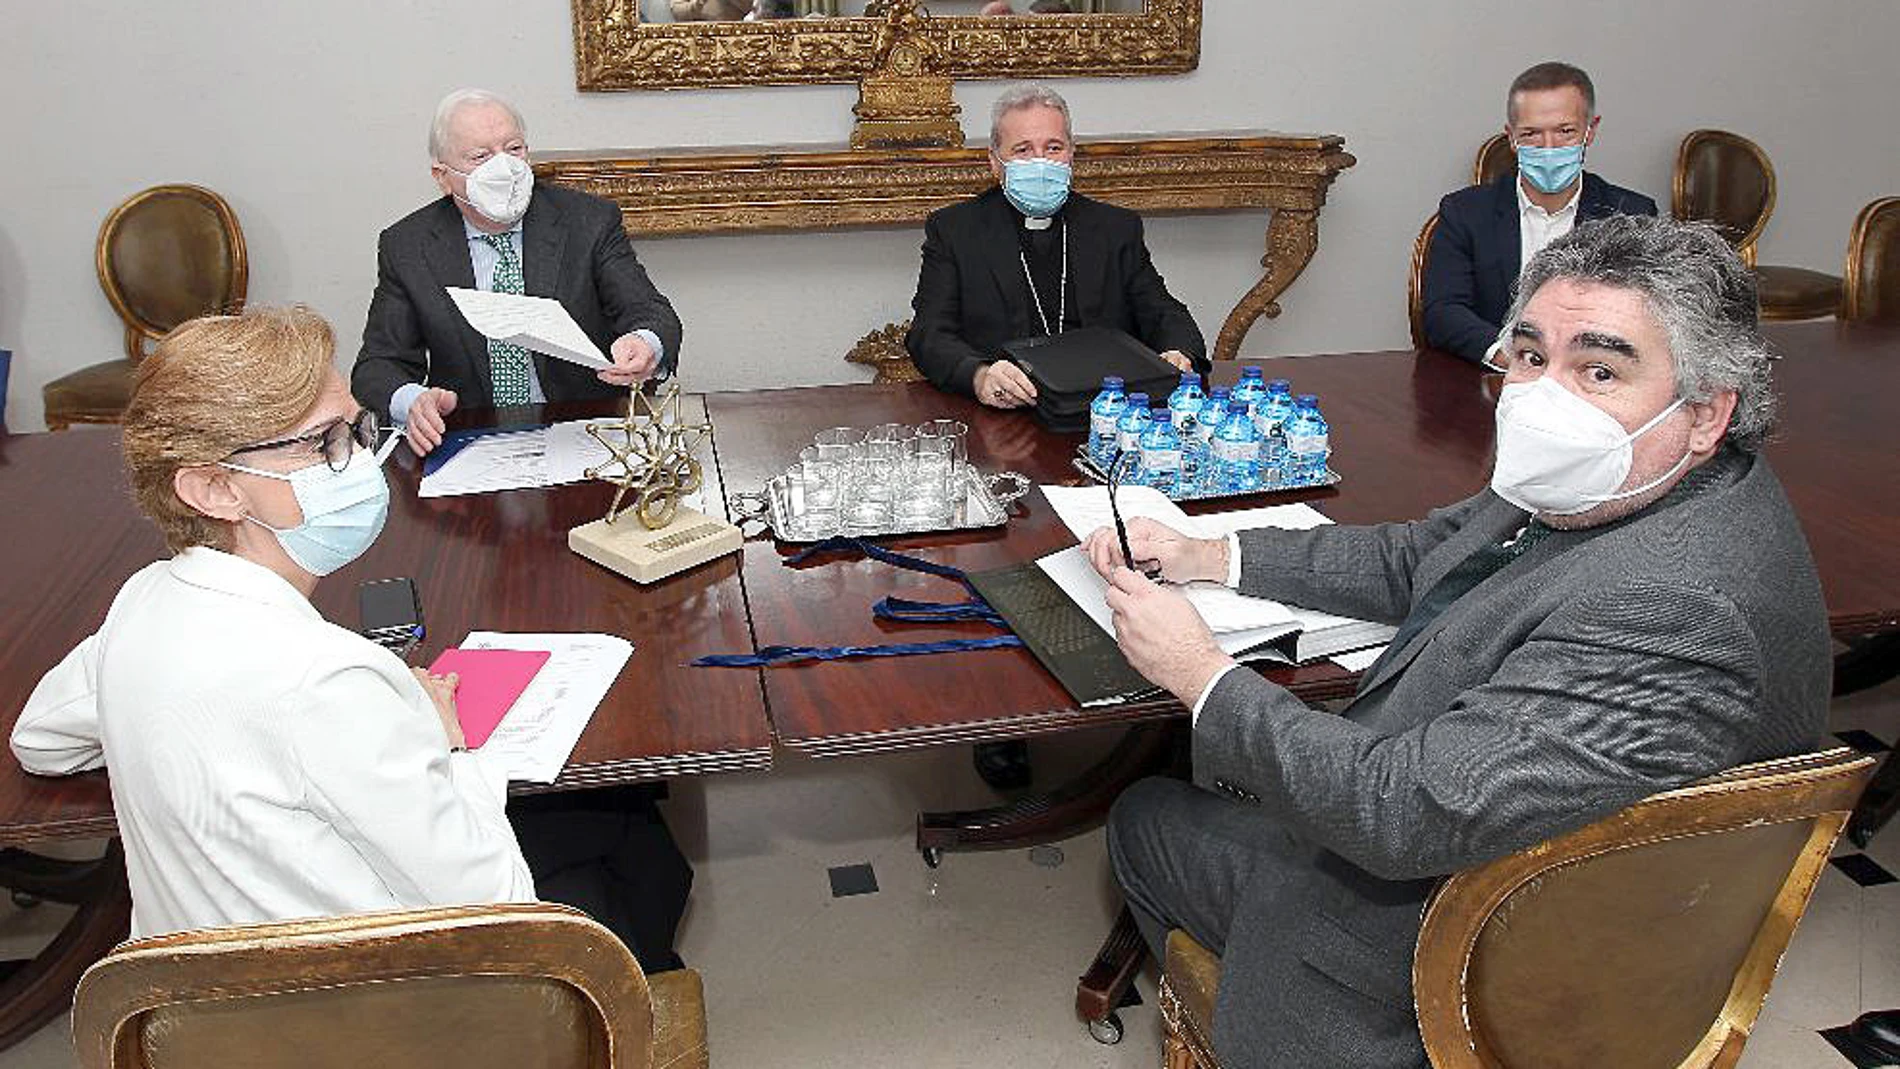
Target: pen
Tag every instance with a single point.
(1151, 569)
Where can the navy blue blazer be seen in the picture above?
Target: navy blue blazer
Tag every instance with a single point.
(1471, 267)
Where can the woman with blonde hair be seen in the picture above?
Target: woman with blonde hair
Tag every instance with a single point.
(266, 764)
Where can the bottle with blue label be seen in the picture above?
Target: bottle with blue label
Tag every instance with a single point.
(1128, 434)
(1161, 453)
(1251, 389)
(1186, 399)
(1197, 460)
(1236, 453)
(1269, 418)
(1306, 444)
(1105, 413)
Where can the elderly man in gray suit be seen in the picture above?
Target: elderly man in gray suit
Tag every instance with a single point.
(1630, 606)
(493, 229)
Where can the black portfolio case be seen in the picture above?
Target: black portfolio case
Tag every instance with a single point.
(1083, 657)
(1068, 369)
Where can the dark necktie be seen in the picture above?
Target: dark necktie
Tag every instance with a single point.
(508, 364)
(1482, 564)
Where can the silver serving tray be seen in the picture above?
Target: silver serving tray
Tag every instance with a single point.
(1088, 467)
(986, 502)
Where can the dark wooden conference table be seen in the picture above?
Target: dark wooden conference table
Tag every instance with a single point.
(1410, 431)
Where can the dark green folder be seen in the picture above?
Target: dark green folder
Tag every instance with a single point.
(1082, 657)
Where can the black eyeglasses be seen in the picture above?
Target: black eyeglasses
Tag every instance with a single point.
(1149, 568)
(336, 440)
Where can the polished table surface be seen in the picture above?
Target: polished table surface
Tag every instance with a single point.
(1410, 431)
(482, 562)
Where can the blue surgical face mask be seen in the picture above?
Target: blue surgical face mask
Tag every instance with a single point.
(1038, 187)
(1550, 170)
(343, 511)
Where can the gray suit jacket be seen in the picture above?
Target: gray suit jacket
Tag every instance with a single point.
(572, 249)
(1599, 667)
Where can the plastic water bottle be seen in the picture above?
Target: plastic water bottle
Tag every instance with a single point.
(1128, 433)
(1249, 391)
(1236, 449)
(1186, 400)
(1275, 407)
(1197, 457)
(1184, 408)
(1105, 412)
(1306, 433)
(1161, 453)
(1269, 418)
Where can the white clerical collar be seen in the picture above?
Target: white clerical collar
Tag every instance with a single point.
(1031, 222)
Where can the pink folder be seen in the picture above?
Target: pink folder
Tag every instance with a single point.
(490, 681)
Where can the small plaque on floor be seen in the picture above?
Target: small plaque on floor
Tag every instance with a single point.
(848, 880)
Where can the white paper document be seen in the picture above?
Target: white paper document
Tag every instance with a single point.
(1359, 660)
(537, 323)
(538, 733)
(1240, 624)
(1082, 509)
(513, 460)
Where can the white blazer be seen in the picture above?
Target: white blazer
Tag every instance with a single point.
(266, 764)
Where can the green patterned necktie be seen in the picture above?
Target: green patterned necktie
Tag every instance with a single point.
(508, 364)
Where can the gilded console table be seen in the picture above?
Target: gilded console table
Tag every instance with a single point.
(724, 191)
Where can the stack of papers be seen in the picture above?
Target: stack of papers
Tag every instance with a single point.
(513, 460)
(537, 734)
(1245, 628)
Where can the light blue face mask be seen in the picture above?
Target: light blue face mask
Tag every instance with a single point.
(343, 511)
(1037, 187)
(1550, 170)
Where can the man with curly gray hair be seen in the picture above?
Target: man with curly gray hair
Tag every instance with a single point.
(1630, 606)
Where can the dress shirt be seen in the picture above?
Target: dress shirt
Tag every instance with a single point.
(266, 764)
(1232, 580)
(1537, 228)
(484, 257)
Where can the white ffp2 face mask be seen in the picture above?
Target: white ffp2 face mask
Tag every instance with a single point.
(1559, 454)
(500, 188)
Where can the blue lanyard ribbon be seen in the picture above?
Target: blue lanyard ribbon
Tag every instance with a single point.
(898, 610)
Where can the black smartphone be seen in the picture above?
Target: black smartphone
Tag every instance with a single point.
(392, 613)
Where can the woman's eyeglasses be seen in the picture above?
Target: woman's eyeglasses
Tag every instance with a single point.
(337, 441)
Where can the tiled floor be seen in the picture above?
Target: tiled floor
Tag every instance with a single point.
(975, 963)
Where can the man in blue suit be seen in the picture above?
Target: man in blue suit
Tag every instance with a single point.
(1486, 234)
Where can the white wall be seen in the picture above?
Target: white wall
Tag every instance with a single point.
(311, 119)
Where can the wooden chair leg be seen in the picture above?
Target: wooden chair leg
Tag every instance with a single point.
(1175, 1053)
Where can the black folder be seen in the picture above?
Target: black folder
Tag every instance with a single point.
(1068, 369)
(1082, 656)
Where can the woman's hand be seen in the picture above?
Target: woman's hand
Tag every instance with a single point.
(441, 691)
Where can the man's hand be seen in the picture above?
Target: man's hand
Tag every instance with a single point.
(425, 426)
(1182, 559)
(1162, 636)
(441, 691)
(634, 361)
(1179, 359)
(1004, 385)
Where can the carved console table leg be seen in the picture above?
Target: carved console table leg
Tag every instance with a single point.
(1292, 238)
(1072, 808)
(36, 991)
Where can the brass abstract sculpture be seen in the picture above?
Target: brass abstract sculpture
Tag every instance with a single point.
(653, 448)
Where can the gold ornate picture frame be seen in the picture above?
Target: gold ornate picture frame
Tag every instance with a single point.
(615, 51)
